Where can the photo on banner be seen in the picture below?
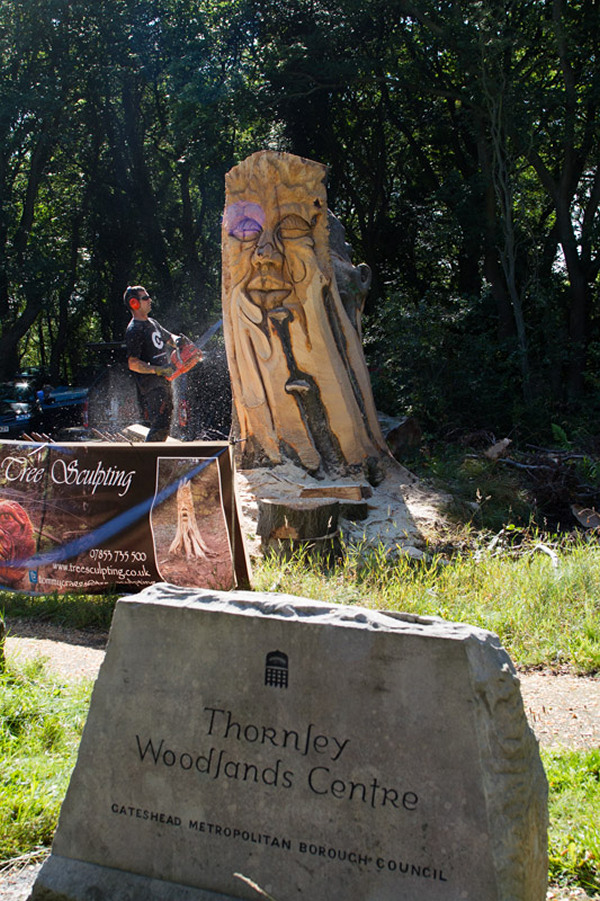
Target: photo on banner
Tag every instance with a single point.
(97, 517)
(191, 543)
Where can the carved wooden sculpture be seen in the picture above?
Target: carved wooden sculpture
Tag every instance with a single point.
(188, 540)
(301, 388)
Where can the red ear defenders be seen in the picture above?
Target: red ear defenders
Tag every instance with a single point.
(130, 298)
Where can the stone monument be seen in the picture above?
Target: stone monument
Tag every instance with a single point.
(262, 746)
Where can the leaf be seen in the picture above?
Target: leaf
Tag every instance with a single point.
(560, 436)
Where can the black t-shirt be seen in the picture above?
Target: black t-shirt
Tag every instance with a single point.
(147, 340)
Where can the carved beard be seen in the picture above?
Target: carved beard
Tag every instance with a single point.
(251, 308)
(267, 340)
(287, 351)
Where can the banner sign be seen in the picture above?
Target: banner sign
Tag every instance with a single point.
(98, 516)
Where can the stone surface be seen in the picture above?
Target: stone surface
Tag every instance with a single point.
(241, 740)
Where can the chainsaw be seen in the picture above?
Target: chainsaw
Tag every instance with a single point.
(187, 354)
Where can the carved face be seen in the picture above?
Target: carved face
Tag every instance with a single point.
(299, 382)
(276, 250)
(271, 228)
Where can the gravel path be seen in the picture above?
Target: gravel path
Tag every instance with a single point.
(17, 882)
(563, 710)
(73, 653)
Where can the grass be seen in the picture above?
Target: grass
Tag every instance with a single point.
(540, 593)
(482, 491)
(490, 494)
(93, 611)
(41, 720)
(541, 597)
(574, 839)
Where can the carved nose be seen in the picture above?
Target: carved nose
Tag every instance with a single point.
(266, 251)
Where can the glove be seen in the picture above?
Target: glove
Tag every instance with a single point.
(181, 340)
(164, 371)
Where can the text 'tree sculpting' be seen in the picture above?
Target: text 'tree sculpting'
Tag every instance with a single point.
(301, 389)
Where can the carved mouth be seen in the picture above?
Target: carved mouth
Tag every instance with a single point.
(267, 281)
(269, 298)
(268, 290)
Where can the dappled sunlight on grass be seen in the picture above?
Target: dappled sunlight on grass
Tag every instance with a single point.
(574, 839)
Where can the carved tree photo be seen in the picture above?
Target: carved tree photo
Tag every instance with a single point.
(188, 541)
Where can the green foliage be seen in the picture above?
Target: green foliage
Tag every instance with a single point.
(560, 436)
(2, 642)
(574, 836)
(483, 495)
(41, 721)
(452, 372)
(455, 137)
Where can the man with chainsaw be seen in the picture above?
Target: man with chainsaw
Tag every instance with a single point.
(152, 355)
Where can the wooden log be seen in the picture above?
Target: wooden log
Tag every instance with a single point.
(298, 519)
(406, 436)
(300, 384)
(347, 492)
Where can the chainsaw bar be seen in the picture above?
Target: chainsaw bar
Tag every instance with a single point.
(188, 356)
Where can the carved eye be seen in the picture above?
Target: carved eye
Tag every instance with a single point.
(293, 226)
(246, 229)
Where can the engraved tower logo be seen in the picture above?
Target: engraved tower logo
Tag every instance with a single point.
(276, 669)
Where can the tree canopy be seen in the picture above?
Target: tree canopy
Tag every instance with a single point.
(462, 143)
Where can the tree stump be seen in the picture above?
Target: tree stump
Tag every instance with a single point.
(299, 519)
(343, 492)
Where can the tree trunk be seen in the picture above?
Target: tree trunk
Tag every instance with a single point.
(300, 383)
(579, 306)
(146, 208)
(61, 337)
(12, 334)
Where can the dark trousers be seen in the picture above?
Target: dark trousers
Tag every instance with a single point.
(158, 408)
